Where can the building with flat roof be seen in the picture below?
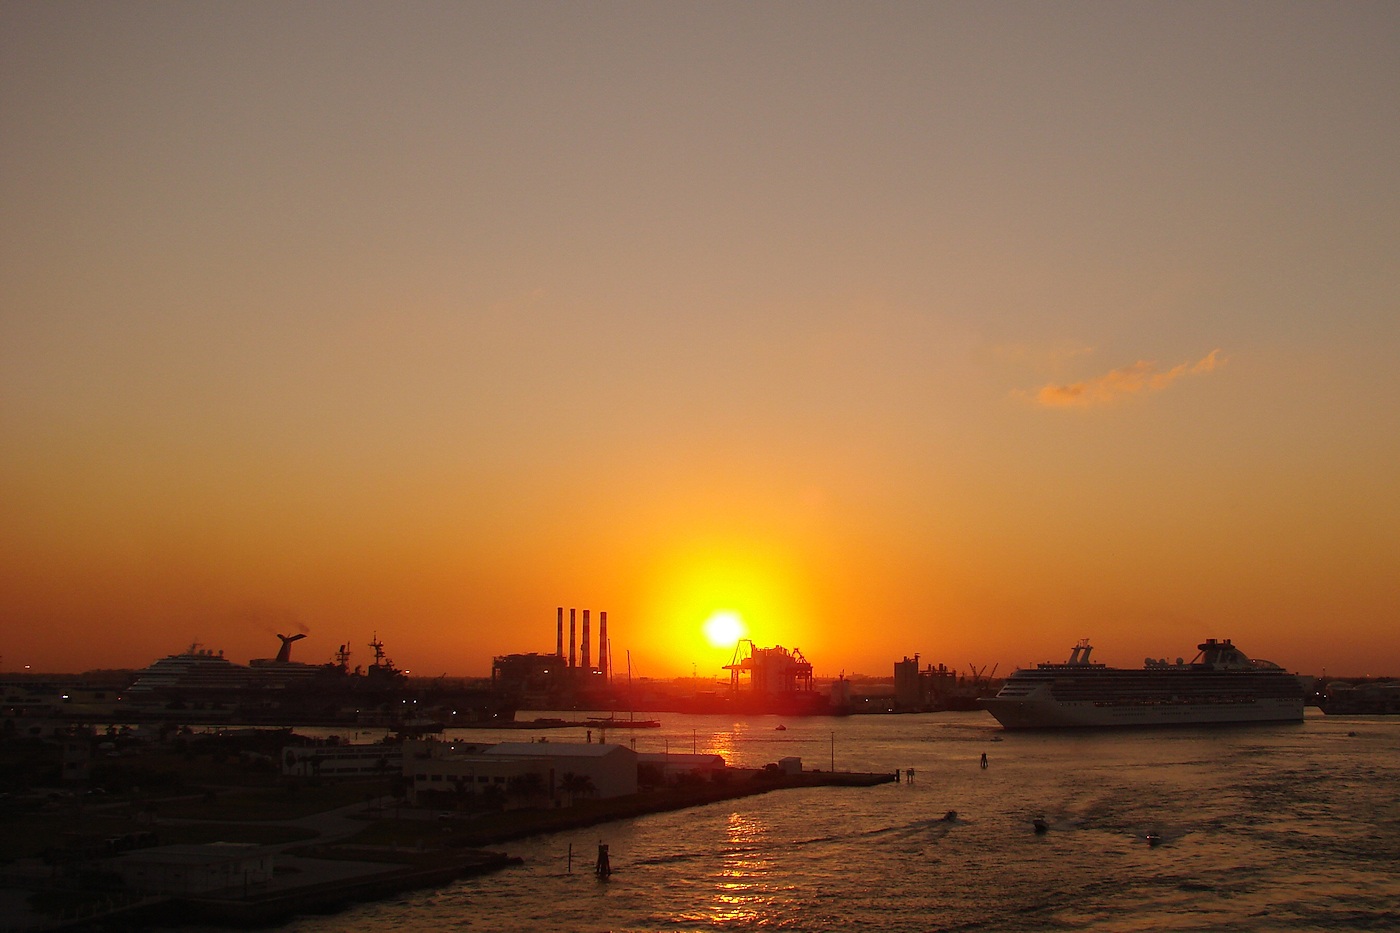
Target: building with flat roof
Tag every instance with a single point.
(550, 774)
(675, 764)
(341, 761)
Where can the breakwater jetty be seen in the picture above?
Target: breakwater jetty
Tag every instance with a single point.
(496, 829)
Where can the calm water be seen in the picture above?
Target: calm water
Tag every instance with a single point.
(1263, 828)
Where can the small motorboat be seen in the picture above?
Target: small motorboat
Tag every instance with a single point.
(1154, 839)
(1040, 825)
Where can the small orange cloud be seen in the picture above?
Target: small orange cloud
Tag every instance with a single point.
(1129, 380)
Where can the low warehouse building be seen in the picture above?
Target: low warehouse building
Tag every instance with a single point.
(522, 773)
(334, 761)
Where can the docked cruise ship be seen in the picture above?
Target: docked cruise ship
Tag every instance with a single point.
(1221, 685)
(203, 685)
(195, 669)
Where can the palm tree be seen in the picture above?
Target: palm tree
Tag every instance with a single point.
(527, 787)
(492, 796)
(576, 786)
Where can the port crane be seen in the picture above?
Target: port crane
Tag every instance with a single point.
(770, 670)
(977, 674)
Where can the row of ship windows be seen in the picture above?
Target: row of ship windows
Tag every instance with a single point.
(1184, 697)
(1071, 693)
(1152, 677)
(1176, 701)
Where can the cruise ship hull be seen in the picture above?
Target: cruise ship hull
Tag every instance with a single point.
(1054, 714)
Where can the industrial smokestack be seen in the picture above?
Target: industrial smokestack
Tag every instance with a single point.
(603, 643)
(584, 646)
(559, 634)
(572, 636)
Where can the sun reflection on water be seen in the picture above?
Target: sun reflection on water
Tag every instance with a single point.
(741, 884)
(723, 744)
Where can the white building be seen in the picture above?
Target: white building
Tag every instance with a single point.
(672, 765)
(612, 769)
(790, 765)
(336, 761)
(531, 773)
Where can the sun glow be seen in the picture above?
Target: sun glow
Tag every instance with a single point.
(707, 593)
(724, 628)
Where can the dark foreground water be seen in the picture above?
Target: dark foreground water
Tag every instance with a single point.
(1291, 827)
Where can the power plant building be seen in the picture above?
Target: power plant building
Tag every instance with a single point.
(564, 675)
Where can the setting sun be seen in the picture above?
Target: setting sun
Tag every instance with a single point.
(724, 629)
(758, 581)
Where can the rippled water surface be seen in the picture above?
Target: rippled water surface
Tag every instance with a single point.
(1292, 827)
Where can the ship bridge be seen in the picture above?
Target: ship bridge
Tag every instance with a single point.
(1217, 655)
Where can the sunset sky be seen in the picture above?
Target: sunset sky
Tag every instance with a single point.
(965, 329)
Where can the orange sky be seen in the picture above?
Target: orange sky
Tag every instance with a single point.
(960, 330)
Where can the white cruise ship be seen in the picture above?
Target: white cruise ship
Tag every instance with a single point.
(1221, 685)
(197, 668)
